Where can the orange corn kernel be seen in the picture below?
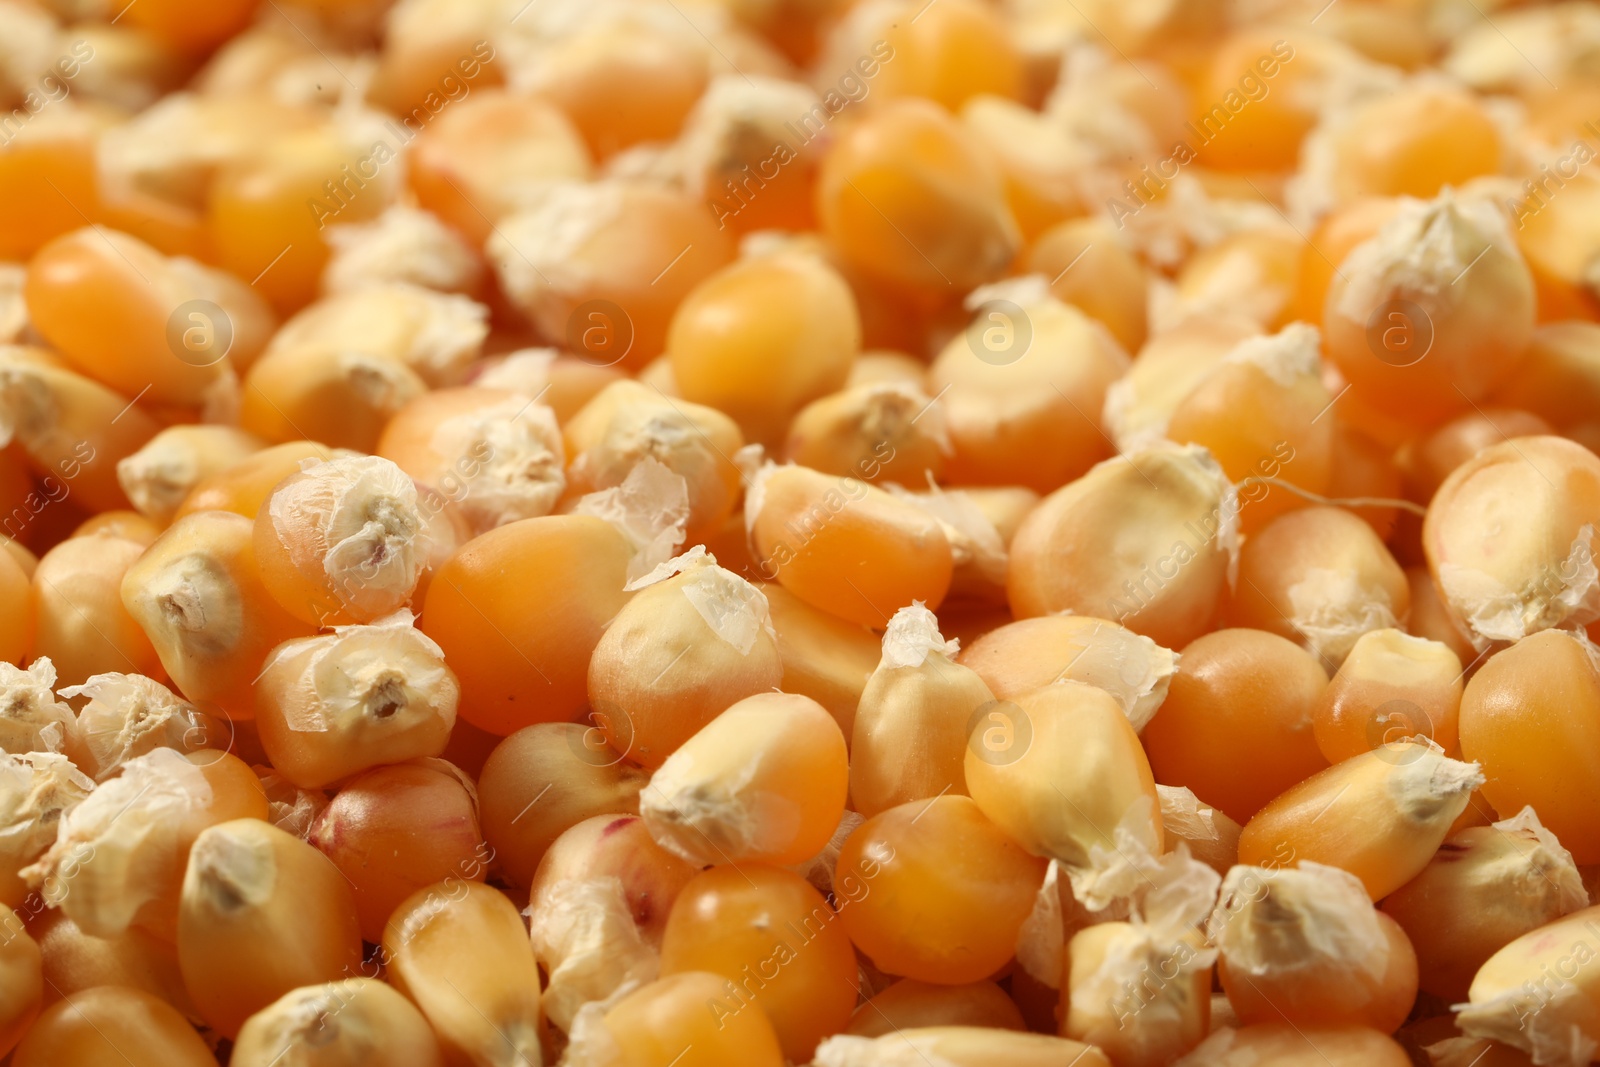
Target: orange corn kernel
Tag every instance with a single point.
(1380, 815)
(200, 596)
(776, 944)
(112, 1026)
(1391, 686)
(262, 913)
(338, 1024)
(79, 618)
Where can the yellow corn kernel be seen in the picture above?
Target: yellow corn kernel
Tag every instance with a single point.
(159, 476)
(824, 657)
(79, 618)
(1140, 993)
(1144, 539)
(1527, 717)
(1483, 889)
(1391, 686)
(72, 428)
(332, 705)
(665, 1024)
(846, 547)
(891, 430)
(75, 961)
(262, 913)
(21, 979)
(682, 650)
(347, 1023)
(1285, 1045)
(1306, 945)
(335, 395)
(763, 338)
(764, 781)
(909, 1004)
(959, 1046)
(111, 1026)
(1380, 815)
(1543, 493)
(1538, 993)
(626, 422)
(199, 595)
(461, 954)
(911, 727)
(1061, 771)
(542, 781)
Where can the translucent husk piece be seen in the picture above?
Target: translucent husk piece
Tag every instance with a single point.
(129, 715)
(31, 718)
(37, 790)
(649, 508)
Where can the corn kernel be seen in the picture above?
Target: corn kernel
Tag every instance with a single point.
(338, 1024)
(111, 1026)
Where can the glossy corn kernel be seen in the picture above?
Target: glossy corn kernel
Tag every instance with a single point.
(75, 961)
(1319, 576)
(339, 396)
(664, 1023)
(844, 546)
(959, 1046)
(262, 913)
(1334, 238)
(1561, 376)
(1065, 742)
(461, 955)
(681, 650)
(338, 1024)
(330, 706)
(1380, 815)
(73, 429)
(824, 657)
(1089, 269)
(80, 622)
(342, 541)
(1412, 143)
(603, 267)
(518, 665)
(1307, 946)
(1410, 339)
(924, 867)
(1170, 366)
(199, 594)
(488, 158)
(888, 430)
(908, 197)
(48, 176)
(129, 715)
(127, 525)
(764, 781)
(1430, 460)
(1019, 656)
(1495, 883)
(1022, 387)
(1535, 993)
(542, 781)
(777, 945)
(37, 789)
(118, 858)
(394, 830)
(1544, 494)
(597, 910)
(1285, 1045)
(909, 1004)
(1144, 539)
(626, 422)
(914, 717)
(21, 977)
(1390, 687)
(110, 303)
(763, 337)
(1526, 716)
(112, 1026)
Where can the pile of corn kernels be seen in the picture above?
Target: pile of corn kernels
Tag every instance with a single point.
(853, 533)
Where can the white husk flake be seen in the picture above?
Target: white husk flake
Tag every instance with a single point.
(584, 935)
(650, 508)
(912, 636)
